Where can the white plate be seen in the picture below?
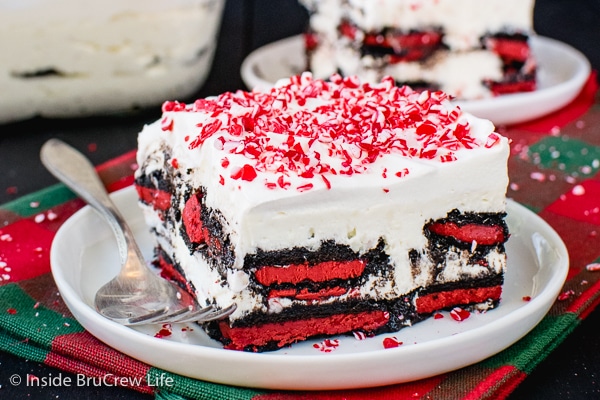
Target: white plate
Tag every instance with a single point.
(84, 257)
(562, 72)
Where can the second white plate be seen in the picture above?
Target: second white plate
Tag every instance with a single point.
(562, 72)
(84, 257)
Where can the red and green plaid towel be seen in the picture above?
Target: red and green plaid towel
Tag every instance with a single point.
(554, 170)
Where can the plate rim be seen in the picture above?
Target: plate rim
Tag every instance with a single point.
(561, 94)
(108, 331)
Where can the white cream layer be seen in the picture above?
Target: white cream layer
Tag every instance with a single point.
(460, 74)
(110, 56)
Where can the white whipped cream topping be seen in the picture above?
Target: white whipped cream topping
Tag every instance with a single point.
(102, 57)
(356, 211)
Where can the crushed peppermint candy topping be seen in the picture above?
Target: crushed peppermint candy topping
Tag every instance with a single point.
(459, 314)
(391, 342)
(165, 331)
(359, 335)
(315, 128)
(593, 267)
(327, 345)
(566, 295)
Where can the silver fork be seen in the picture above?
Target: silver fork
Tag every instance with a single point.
(136, 295)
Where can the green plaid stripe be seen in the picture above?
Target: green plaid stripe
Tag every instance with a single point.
(47, 198)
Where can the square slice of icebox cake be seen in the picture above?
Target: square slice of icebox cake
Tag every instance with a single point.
(325, 207)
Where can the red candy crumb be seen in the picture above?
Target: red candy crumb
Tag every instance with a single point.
(246, 173)
(173, 106)
(304, 188)
(165, 331)
(492, 140)
(458, 314)
(11, 311)
(282, 183)
(327, 345)
(526, 298)
(593, 267)
(402, 173)
(391, 342)
(166, 124)
(567, 294)
(438, 316)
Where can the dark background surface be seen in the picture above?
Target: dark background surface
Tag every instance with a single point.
(570, 372)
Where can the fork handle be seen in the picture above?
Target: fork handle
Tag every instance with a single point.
(73, 169)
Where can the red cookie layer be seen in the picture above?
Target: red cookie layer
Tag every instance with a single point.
(482, 234)
(321, 272)
(289, 332)
(413, 46)
(446, 299)
(191, 220)
(305, 294)
(509, 49)
(499, 88)
(159, 199)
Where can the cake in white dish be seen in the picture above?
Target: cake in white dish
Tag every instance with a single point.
(325, 207)
(63, 58)
(471, 49)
